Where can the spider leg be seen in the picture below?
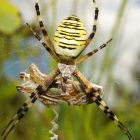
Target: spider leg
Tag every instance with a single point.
(83, 58)
(32, 99)
(41, 24)
(19, 115)
(103, 106)
(92, 94)
(91, 36)
(52, 53)
(99, 89)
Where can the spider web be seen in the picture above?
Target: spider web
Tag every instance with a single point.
(54, 124)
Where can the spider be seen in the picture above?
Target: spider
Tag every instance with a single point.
(59, 86)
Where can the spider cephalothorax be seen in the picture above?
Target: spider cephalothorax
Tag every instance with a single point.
(58, 86)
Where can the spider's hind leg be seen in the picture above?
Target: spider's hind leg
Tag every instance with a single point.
(93, 96)
(103, 106)
(99, 89)
(39, 90)
(18, 116)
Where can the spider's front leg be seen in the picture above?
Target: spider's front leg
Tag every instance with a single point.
(94, 28)
(39, 90)
(41, 24)
(93, 94)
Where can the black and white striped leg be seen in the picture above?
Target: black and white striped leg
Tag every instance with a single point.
(40, 89)
(98, 88)
(103, 106)
(83, 58)
(94, 96)
(21, 112)
(41, 24)
(91, 36)
(52, 53)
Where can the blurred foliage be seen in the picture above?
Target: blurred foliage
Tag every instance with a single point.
(18, 50)
(8, 14)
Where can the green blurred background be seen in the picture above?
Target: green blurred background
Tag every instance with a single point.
(116, 68)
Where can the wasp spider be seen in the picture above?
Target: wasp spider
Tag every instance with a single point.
(58, 86)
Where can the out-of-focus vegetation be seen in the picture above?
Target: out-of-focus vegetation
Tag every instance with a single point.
(18, 49)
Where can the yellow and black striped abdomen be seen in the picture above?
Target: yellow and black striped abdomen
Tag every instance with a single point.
(70, 37)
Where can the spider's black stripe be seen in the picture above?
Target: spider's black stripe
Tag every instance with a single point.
(97, 102)
(76, 39)
(76, 33)
(94, 28)
(104, 45)
(19, 118)
(37, 36)
(34, 99)
(96, 13)
(8, 132)
(71, 25)
(106, 107)
(73, 18)
(21, 112)
(91, 53)
(68, 27)
(68, 44)
(64, 47)
(91, 36)
(91, 94)
(54, 84)
(45, 33)
(99, 98)
(111, 115)
(101, 47)
(39, 92)
(69, 39)
(123, 128)
(21, 115)
(71, 35)
(24, 108)
(46, 47)
(32, 95)
(40, 22)
(72, 57)
(37, 9)
(39, 89)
